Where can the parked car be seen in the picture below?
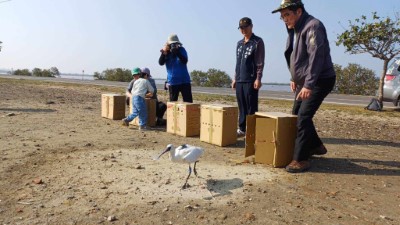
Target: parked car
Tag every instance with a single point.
(391, 87)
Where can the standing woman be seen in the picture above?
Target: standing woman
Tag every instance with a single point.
(175, 58)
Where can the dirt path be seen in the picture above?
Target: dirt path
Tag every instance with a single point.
(61, 163)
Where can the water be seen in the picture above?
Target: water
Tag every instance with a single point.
(274, 87)
(265, 87)
(62, 75)
(77, 76)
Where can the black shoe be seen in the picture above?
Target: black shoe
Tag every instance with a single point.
(125, 122)
(161, 122)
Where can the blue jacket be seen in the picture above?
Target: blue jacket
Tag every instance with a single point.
(177, 72)
(309, 59)
(249, 59)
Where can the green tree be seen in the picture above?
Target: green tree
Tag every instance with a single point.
(23, 72)
(36, 72)
(117, 74)
(355, 79)
(47, 73)
(211, 78)
(199, 78)
(380, 38)
(98, 76)
(54, 71)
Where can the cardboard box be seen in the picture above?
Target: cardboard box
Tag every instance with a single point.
(218, 124)
(183, 119)
(151, 113)
(270, 136)
(113, 106)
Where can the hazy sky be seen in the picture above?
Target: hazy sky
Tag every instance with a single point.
(93, 35)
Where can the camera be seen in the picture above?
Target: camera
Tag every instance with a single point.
(174, 46)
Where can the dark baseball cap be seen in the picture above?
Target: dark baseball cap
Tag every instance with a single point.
(245, 22)
(288, 3)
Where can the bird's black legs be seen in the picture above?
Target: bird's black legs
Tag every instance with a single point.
(194, 168)
(187, 178)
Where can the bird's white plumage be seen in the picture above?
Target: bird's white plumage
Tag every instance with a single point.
(186, 154)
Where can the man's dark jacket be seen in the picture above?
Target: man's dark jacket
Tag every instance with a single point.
(308, 57)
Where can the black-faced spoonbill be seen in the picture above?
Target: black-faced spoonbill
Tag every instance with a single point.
(184, 154)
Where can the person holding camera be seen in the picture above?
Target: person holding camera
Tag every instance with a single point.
(175, 58)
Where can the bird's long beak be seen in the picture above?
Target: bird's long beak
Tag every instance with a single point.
(162, 153)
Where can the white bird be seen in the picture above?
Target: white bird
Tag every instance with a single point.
(184, 154)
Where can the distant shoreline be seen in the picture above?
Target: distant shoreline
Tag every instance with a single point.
(279, 84)
(86, 76)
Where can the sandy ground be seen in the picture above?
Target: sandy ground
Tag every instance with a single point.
(61, 163)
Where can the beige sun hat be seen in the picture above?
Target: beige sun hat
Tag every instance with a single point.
(173, 38)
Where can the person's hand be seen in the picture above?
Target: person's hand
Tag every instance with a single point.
(257, 84)
(293, 86)
(165, 49)
(127, 101)
(233, 85)
(304, 94)
(149, 95)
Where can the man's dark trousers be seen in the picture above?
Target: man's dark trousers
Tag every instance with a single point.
(185, 89)
(247, 98)
(307, 137)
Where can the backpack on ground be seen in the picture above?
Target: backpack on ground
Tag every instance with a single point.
(374, 105)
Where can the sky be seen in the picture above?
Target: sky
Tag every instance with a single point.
(94, 35)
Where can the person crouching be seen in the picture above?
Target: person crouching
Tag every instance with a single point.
(140, 90)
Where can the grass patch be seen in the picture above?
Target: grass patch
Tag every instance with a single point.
(22, 81)
(213, 98)
(359, 110)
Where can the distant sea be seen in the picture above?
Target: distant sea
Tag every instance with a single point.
(265, 87)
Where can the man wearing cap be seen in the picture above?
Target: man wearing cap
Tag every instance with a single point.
(250, 55)
(175, 57)
(313, 77)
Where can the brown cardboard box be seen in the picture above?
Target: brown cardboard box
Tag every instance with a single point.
(218, 124)
(151, 113)
(183, 119)
(270, 136)
(113, 106)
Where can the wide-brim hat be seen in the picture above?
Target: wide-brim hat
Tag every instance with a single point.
(288, 3)
(146, 71)
(172, 39)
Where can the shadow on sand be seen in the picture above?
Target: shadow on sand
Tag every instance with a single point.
(355, 166)
(223, 187)
(342, 141)
(28, 110)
